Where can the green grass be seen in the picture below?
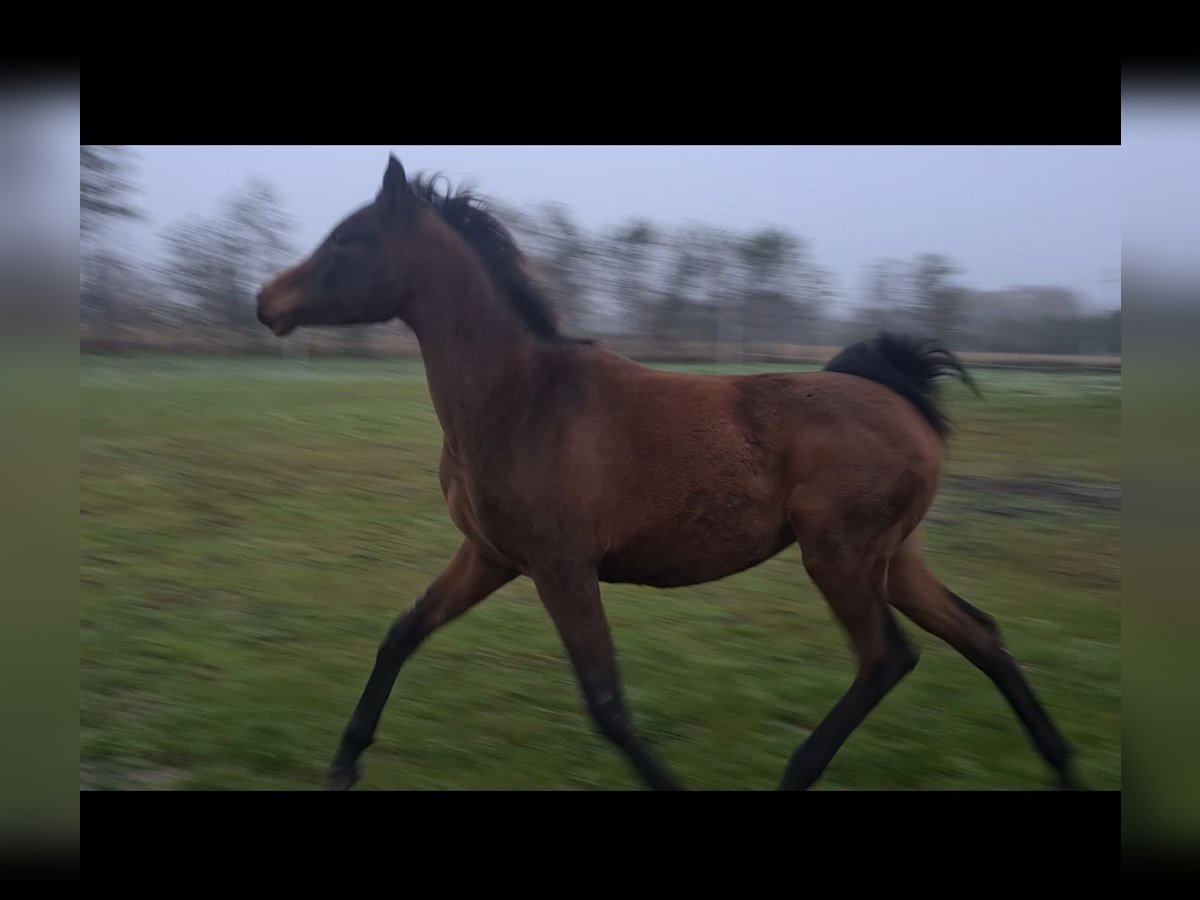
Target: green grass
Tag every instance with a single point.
(249, 528)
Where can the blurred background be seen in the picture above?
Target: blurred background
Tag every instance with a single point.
(681, 253)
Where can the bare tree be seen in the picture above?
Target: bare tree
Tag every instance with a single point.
(783, 292)
(628, 253)
(202, 266)
(219, 262)
(562, 253)
(937, 302)
(106, 186)
(262, 226)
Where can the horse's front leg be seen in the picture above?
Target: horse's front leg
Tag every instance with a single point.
(571, 594)
(469, 578)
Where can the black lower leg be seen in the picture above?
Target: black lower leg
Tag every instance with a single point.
(401, 641)
(612, 719)
(997, 663)
(571, 594)
(869, 688)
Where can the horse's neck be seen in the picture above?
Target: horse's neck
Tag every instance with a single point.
(477, 352)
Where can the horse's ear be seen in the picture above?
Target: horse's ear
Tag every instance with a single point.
(395, 185)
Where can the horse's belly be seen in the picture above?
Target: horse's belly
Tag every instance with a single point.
(696, 551)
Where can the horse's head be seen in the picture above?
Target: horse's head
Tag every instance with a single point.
(357, 274)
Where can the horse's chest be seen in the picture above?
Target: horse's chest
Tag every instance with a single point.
(486, 517)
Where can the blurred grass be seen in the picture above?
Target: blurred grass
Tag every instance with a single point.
(249, 528)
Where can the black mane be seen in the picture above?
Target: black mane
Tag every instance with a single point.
(468, 214)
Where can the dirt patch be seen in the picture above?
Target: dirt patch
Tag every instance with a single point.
(1092, 494)
(115, 776)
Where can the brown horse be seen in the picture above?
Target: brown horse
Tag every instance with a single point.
(569, 464)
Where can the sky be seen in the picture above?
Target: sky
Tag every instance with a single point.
(1004, 215)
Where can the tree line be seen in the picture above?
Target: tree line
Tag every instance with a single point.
(663, 286)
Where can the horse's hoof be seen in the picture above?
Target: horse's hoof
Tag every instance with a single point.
(342, 778)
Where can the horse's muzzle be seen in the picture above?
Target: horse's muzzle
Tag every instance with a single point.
(277, 324)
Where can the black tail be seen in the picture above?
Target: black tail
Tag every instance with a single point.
(908, 366)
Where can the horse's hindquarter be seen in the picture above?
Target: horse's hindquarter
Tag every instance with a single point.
(710, 475)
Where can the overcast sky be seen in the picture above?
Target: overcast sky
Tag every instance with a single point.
(1005, 215)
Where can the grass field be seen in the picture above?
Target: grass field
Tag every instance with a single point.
(249, 528)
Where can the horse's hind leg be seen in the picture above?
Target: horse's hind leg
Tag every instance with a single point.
(852, 580)
(914, 590)
(468, 579)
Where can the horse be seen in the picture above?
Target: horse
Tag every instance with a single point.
(571, 465)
